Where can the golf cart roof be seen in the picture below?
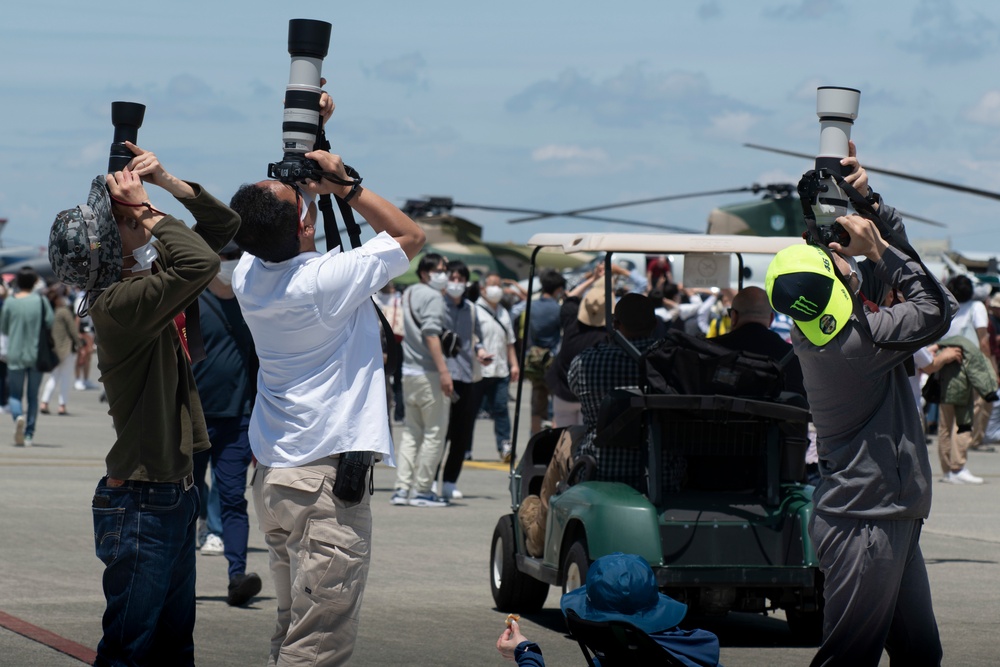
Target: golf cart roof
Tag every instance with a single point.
(664, 243)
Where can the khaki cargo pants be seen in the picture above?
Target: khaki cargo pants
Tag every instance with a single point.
(320, 550)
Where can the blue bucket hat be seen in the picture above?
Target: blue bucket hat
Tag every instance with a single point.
(622, 587)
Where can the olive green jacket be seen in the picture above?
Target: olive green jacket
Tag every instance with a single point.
(958, 380)
(151, 392)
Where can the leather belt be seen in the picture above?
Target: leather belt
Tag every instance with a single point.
(186, 483)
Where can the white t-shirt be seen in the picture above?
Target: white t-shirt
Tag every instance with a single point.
(922, 358)
(971, 315)
(321, 385)
(496, 337)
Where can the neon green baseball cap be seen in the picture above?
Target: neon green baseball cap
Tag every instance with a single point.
(802, 283)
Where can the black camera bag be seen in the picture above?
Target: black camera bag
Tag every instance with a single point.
(686, 364)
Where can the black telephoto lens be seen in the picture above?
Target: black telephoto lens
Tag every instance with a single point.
(127, 119)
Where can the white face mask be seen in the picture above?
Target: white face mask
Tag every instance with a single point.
(384, 297)
(456, 290)
(494, 293)
(144, 257)
(437, 281)
(307, 199)
(226, 268)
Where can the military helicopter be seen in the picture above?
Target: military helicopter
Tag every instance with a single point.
(459, 238)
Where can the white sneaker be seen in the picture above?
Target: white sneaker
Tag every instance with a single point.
(19, 425)
(79, 385)
(400, 497)
(28, 441)
(967, 477)
(451, 492)
(213, 546)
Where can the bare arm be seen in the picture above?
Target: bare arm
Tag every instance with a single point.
(434, 345)
(946, 356)
(515, 370)
(380, 214)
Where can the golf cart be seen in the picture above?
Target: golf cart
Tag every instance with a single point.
(732, 536)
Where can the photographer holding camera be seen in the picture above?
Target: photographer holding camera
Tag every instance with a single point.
(875, 489)
(136, 290)
(319, 421)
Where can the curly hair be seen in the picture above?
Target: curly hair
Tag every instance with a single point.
(269, 228)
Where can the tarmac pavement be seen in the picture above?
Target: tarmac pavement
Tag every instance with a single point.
(428, 597)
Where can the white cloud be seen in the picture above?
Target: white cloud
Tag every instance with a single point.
(806, 91)
(566, 153)
(731, 125)
(987, 110)
(634, 97)
(90, 154)
(407, 69)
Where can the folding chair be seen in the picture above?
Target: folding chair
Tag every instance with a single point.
(617, 644)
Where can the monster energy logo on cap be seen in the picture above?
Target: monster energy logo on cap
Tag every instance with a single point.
(801, 283)
(807, 307)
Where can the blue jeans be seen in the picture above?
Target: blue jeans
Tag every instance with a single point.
(144, 533)
(230, 455)
(209, 495)
(495, 400)
(15, 383)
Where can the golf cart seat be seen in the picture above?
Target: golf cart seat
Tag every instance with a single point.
(617, 643)
(536, 457)
(618, 422)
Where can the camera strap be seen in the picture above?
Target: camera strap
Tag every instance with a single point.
(866, 209)
(393, 350)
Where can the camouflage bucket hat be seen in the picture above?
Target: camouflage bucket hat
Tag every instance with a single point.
(85, 249)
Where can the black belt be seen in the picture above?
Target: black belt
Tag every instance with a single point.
(186, 483)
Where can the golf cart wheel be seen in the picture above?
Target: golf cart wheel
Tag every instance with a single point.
(513, 591)
(807, 626)
(575, 565)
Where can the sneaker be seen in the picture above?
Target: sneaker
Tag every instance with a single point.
(19, 425)
(213, 546)
(202, 532)
(505, 451)
(967, 477)
(28, 441)
(950, 478)
(400, 497)
(242, 587)
(450, 491)
(428, 500)
(79, 385)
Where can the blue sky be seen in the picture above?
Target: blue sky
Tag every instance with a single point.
(549, 105)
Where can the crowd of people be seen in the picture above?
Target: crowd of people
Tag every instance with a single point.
(236, 344)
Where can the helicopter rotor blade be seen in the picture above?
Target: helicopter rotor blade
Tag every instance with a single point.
(636, 202)
(547, 214)
(897, 174)
(917, 218)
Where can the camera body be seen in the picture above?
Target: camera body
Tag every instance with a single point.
(295, 169)
(308, 44)
(837, 108)
(127, 119)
